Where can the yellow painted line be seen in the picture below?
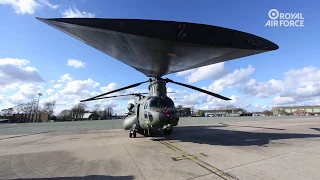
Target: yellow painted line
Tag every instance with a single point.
(189, 157)
(210, 168)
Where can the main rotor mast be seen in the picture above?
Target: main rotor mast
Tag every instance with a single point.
(157, 87)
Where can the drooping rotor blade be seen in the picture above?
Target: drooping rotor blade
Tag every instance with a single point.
(112, 96)
(106, 97)
(198, 89)
(121, 89)
(168, 48)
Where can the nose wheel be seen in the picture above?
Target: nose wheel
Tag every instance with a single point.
(133, 134)
(133, 131)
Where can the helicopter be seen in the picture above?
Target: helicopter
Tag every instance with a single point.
(157, 48)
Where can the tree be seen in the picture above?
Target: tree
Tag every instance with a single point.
(192, 111)
(49, 107)
(10, 112)
(65, 114)
(267, 113)
(242, 110)
(29, 107)
(104, 114)
(18, 108)
(107, 114)
(228, 108)
(78, 110)
(96, 108)
(4, 112)
(179, 107)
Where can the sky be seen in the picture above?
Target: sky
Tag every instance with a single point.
(35, 57)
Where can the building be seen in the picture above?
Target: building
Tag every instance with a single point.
(296, 110)
(90, 116)
(24, 118)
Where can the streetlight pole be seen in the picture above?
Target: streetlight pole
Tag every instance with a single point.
(39, 94)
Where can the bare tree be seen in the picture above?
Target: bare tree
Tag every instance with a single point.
(107, 113)
(78, 110)
(4, 112)
(9, 111)
(229, 108)
(49, 107)
(96, 108)
(18, 108)
(179, 107)
(242, 110)
(110, 112)
(29, 107)
(192, 111)
(65, 114)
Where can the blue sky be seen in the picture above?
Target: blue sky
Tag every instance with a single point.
(48, 50)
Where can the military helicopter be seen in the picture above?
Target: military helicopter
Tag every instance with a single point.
(157, 48)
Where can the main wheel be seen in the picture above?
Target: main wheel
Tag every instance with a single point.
(130, 135)
(134, 134)
(167, 131)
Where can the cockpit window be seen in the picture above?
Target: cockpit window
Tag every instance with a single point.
(158, 102)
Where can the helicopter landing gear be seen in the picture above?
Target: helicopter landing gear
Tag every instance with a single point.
(168, 131)
(133, 131)
(146, 132)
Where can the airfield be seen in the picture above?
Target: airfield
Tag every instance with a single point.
(200, 149)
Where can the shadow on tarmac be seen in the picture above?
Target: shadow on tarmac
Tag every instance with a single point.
(93, 177)
(214, 135)
(317, 129)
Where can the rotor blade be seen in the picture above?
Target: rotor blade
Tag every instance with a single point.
(132, 94)
(112, 96)
(198, 89)
(127, 87)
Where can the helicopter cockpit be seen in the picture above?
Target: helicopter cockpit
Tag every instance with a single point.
(161, 102)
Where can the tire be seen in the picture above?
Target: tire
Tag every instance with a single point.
(134, 134)
(130, 135)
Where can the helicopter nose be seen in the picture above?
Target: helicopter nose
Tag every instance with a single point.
(166, 116)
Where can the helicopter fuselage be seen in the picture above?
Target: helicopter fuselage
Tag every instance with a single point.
(147, 113)
(156, 111)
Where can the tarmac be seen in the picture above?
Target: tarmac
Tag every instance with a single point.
(210, 148)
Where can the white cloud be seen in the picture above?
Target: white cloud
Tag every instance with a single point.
(231, 80)
(65, 78)
(206, 72)
(109, 87)
(75, 13)
(15, 71)
(9, 87)
(15, 62)
(76, 63)
(27, 6)
(49, 91)
(26, 92)
(282, 100)
(263, 89)
(22, 6)
(298, 86)
(78, 86)
(47, 3)
(57, 86)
